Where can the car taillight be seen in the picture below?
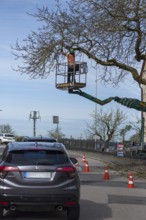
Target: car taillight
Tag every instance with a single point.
(5, 169)
(71, 171)
(8, 168)
(4, 203)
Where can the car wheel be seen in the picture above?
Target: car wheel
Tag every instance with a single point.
(1, 212)
(73, 213)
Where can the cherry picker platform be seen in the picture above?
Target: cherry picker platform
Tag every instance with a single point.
(75, 79)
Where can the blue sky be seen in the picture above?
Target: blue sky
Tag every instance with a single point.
(19, 95)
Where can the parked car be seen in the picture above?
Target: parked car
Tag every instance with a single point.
(6, 138)
(39, 139)
(38, 176)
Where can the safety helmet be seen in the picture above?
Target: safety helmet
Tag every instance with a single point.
(71, 50)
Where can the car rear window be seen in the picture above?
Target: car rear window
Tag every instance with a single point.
(9, 135)
(40, 157)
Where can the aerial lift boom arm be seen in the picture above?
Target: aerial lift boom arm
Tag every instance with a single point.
(129, 102)
(90, 97)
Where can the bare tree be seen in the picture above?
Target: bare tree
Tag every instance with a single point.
(107, 124)
(6, 128)
(110, 32)
(137, 125)
(124, 131)
(135, 138)
(56, 133)
(137, 128)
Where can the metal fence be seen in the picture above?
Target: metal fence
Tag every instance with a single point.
(89, 144)
(130, 149)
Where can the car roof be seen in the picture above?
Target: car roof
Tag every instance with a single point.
(39, 139)
(31, 145)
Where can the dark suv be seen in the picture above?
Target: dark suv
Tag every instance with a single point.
(38, 176)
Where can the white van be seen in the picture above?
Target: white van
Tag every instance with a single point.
(6, 138)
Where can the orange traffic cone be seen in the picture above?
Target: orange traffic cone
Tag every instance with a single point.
(106, 174)
(84, 158)
(130, 182)
(86, 167)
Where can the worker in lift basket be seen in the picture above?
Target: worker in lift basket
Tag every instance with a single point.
(71, 65)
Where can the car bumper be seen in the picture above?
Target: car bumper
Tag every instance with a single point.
(28, 201)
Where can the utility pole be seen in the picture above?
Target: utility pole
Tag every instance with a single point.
(95, 136)
(34, 115)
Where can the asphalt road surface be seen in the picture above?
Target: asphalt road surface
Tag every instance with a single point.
(100, 199)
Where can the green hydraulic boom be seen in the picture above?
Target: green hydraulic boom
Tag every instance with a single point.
(129, 102)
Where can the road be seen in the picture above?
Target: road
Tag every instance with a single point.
(101, 199)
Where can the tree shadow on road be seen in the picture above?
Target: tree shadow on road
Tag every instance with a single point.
(89, 211)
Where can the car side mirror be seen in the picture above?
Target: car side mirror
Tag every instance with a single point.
(74, 160)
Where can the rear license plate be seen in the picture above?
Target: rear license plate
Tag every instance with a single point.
(37, 175)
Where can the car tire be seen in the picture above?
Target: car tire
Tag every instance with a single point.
(1, 212)
(73, 213)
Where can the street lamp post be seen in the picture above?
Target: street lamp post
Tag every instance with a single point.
(142, 122)
(95, 136)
